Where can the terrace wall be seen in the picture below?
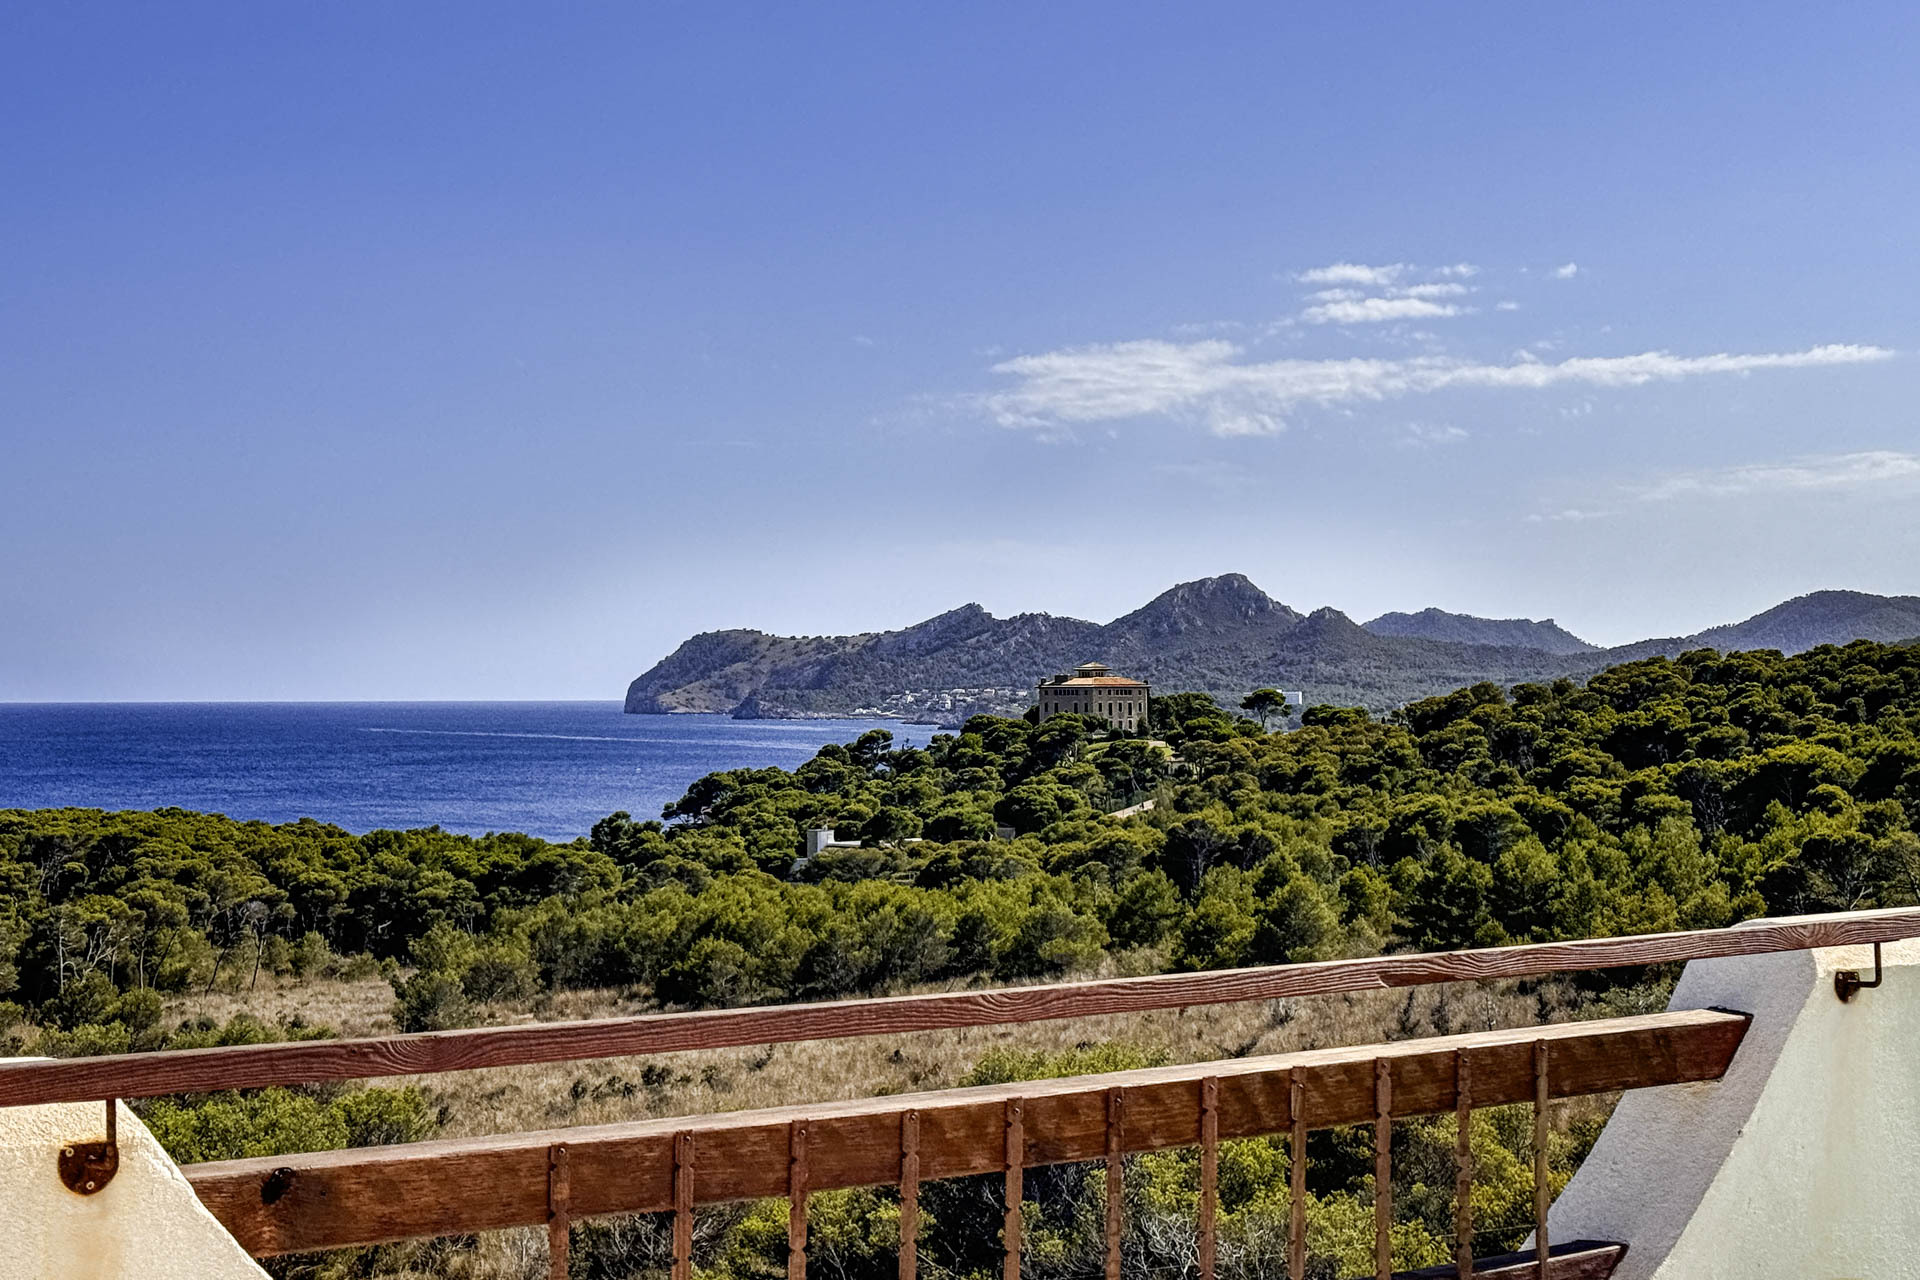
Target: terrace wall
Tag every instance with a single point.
(146, 1222)
(1799, 1164)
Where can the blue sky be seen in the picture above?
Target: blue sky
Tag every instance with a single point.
(416, 351)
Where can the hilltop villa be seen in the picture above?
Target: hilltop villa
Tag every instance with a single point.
(1092, 690)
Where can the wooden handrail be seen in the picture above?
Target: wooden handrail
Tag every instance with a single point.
(139, 1075)
(364, 1195)
(1578, 1260)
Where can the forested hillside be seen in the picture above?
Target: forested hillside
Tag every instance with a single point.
(1461, 628)
(1662, 794)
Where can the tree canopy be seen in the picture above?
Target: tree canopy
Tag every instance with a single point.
(1661, 794)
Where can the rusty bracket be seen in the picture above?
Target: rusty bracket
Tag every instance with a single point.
(85, 1167)
(1847, 983)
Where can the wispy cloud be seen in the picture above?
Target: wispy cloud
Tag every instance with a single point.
(1834, 472)
(1423, 435)
(1572, 515)
(1567, 271)
(1365, 310)
(1354, 273)
(1380, 296)
(1210, 384)
(1223, 477)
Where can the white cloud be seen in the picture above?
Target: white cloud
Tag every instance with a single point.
(1566, 272)
(1506, 304)
(1224, 421)
(1834, 472)
(1423, 435)
(1571, 515)
(1206, 328)
(1211, 473)
(1354, 273)
(1380, 296)
(1374, 310)
(1205, 382)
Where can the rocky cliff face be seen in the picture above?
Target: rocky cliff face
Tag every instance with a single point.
(1209, 607)
(1221, 635)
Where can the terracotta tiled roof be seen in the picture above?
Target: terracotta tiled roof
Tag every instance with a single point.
(1101, 682)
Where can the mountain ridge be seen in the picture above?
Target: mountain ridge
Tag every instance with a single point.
(1222, 635)
(1465, 628)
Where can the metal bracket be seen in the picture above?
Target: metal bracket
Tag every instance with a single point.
(277, 1184)
(1847, 983)
(85, 1167)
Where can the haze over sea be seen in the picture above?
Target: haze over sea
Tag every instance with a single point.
(550, 769)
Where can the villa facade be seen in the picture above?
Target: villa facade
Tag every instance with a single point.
(1093, 690)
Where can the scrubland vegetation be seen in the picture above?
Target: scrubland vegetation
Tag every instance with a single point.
(1662, 794)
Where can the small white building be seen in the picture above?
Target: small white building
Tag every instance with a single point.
(820, 839)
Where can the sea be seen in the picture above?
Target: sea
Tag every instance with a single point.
(550, 769)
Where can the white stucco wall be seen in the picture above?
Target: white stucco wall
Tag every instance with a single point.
(1801, 1164)
(145, 1224)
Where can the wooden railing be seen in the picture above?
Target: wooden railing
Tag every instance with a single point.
(361, 1196)
(367, 1195)
(144, 1075)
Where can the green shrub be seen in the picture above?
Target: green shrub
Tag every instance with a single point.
(273, 1122)
(236, 1126)
(90, 1040)
(431, 1002)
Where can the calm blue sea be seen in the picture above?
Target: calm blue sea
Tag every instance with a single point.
(552, 769)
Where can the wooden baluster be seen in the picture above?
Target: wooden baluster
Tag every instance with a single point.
(1209, 1171)
(1016, 1158)
(909, 1194)
(797, 1201)
(1383, 1169)
(559, 1193)
(1463, 1167)
(1297, 1225)
(683, 1206)
(1542, 1191)
(1116, 1158)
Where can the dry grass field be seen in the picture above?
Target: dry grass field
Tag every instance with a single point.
(499, 1100)
(611, 1090)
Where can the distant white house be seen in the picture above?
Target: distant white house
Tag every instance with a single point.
(820, 839)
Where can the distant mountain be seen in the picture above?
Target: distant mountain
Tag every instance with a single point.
(1204, 608)
(1824, 617)
(1221, 635)
(1464, 628)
